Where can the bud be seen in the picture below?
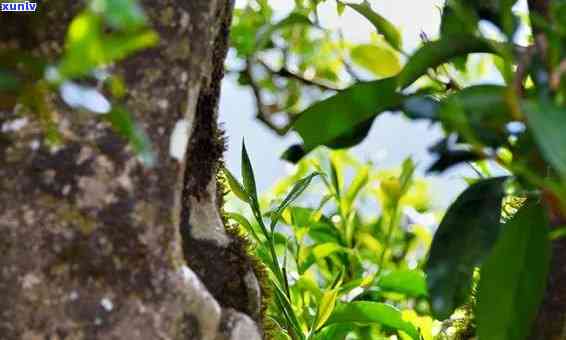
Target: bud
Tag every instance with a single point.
(391, 187)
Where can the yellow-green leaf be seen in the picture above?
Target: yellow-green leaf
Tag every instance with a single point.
(235, 186)
(382, 61)
(327, 303)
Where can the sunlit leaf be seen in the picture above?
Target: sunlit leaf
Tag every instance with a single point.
(87, 46)
(318, 252)
(325, 307)
(367, 312)
(295, 192)
(464, 238)
(235, 186)
(361, 179)
(248, 174)
(513, 277)
(382, 61)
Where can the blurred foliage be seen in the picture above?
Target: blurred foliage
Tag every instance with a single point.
(494, 81)
(103, 33)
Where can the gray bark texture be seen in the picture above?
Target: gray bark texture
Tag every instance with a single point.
(94, 245)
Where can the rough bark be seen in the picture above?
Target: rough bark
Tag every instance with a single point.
(92, 242)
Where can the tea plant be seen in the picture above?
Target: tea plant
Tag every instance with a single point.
(338, 264)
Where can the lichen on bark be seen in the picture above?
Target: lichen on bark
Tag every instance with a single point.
(91, 245)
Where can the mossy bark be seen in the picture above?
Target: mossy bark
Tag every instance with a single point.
(92, 242)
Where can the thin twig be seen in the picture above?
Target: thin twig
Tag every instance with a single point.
(286, 73)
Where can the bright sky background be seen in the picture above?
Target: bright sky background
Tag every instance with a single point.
(392, 138)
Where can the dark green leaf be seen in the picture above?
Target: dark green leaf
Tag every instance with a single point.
(366, 312)
(382, 25)
(421, 107)
(9, 82)
(325, 121)
(409, 282)
(548, 124)
(449, 158)
(294, 153)
(465, 236)
(478, 113)
(513, 277)
(456, 21)
(248, 174)
(436, 53)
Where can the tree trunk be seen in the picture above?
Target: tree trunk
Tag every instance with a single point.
(95, 246)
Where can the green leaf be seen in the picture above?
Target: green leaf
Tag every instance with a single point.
(367, 313)
(235, 186)
(409, 282)
(454, 22)
(547, 124)
(382, 61)
(122, 122)
(340, 114)
(319, 252)
(264, 37)
(325, 308)
(87, 46)
(465, 236)
(382, 25)
(338, 331)
(248, 174)
(406, 177)
(513, 277)
(436, 53)
(361, 179)
(295, 192)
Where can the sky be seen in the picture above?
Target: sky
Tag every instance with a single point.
(392, 137)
